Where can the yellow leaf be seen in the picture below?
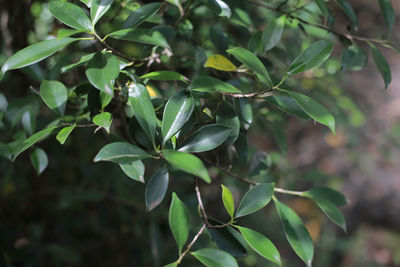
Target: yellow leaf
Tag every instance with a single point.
(152, 91)
(219, 62)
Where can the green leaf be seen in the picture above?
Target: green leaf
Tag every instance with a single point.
(156, 188)
(348, 10)
(140, 15)
(134, 170)
(82, 60)
(312, 57)
(210, 84)
(33, 139)
(381, 65)
(283, 101)
(174, 264)
(262, 245)
(187, 163)
(323, 7)
(88, 3)
(140, 101)
(55, 95)
(220, 7)
(139, 35)
(206, 138)
(255, 199)
(35, 53)
(273, 33)
(252, 63)
(227, 239)
(227, 199)
(39, 160)
(101, 70)
(328, 200)
(70, 15)
(121, 152)
(64, 133)
(243, 105)
(177, 112)
(314, 109)
(219, 39)
(325, 192)
(212, 257)
(354, 58)
(164, 75)
(103, 120)
(99, 8)
(296, 233)
(388, 13)
(63, 33)
(227, 116)
(179, 221)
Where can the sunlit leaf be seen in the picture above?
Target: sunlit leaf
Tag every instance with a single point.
(120, 152)
(219, 62)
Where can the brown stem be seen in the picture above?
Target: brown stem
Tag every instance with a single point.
(115, 52)
(191, 244)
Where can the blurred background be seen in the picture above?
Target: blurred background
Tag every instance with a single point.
(77, 213)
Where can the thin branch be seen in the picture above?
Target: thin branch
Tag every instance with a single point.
(323, 27)
(191, 244)
(115, 52)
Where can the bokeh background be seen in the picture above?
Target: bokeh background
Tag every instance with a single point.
(78, 213)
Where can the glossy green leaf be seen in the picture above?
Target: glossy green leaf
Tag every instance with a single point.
(388, 13)
(174, 264)
(141, 14)
(283, 101)
(134, 170)
(261, 244)
(70, 15)
(64, 133)
(179, 221)
(84, 59)
(314, 109)
(255, 199)
(121, 152)
(164, 75)
(245, 110)
(312, 57)
(227, 199)
(354, 58)
(156, 188)
(206, 138)
(212, 257)
(99, 8)
(104, 120)
(252, 63)
(210, 84)
(227, 239)
(101, 70)
(349, 11)
(381, 64)
(140, 101)
(139, 35)
(296, 233)
(325, 192)
(177, 112)
(227, 116)
(35, 53)
(39, 160)
(55, 95)
(33, 139)
(187, 163)
(273, 33)
(255, 43)
(220, 7)
(63, 33)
